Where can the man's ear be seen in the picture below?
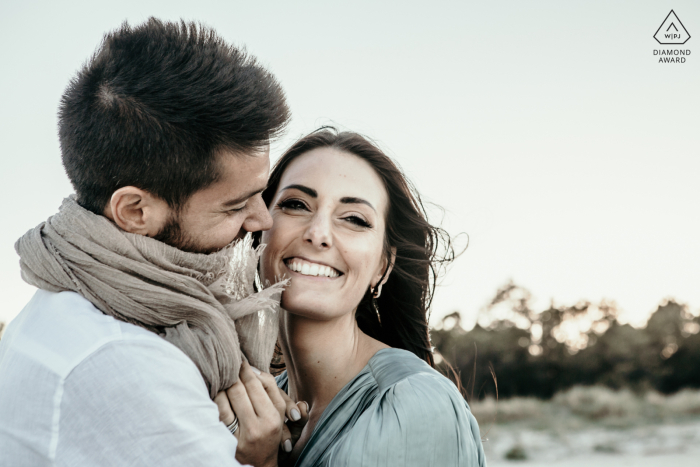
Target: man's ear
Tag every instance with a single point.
(137, 211)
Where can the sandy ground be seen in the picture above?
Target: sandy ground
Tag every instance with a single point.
(601, 460)
(673, 445)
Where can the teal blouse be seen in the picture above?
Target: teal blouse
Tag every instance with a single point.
(398, 411)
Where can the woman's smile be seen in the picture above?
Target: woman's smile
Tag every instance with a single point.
(308, 268)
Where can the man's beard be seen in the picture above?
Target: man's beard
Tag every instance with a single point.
(173, 235)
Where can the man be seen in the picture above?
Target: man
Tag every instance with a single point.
(115, 361)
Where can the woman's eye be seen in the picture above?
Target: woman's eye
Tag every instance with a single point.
(292, 204)
(358, 221)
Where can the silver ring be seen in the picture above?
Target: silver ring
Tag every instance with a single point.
(233, 427)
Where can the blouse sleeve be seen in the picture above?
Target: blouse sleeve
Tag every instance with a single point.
(421, 420)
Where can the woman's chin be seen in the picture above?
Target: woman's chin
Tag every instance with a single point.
(291, 306)
(321, 310)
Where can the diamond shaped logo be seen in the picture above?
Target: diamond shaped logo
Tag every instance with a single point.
(672, 31)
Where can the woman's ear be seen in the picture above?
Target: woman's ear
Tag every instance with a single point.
(389, 266)
(137, 211)
(382, 276)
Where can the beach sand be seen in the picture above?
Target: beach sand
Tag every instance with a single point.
(671, 444)
(607, 460)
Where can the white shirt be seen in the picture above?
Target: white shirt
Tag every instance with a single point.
(79, 388)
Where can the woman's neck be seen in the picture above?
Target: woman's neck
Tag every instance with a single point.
(323, 356)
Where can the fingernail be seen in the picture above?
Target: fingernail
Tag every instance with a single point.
(255, 370)
(287, 446)
(295, 414)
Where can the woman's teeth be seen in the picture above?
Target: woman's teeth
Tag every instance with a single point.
(312, 269)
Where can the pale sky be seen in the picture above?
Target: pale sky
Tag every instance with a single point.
(547, 129)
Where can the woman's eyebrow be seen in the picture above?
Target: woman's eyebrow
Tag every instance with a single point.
(352, 200)
(305, 189)
(314, 194)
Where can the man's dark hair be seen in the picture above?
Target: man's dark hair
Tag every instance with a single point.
(154, 107)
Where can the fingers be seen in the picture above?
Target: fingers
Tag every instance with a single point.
(297, 427)
(241, 404)
(261, 431)
(274, 393)
(303, 408)
(286, 443)
(259, 397)
(225, 410)
(292, 410)
(277, 397)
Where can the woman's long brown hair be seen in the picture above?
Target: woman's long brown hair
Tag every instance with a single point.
(399, 317)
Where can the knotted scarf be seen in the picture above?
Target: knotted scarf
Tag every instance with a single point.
(204, 304)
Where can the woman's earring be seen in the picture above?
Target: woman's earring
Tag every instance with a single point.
(375, 292)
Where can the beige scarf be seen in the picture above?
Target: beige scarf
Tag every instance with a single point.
(203, 304)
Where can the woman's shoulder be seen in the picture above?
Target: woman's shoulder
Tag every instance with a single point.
(411, 391)
(418, 417)
(397, 367)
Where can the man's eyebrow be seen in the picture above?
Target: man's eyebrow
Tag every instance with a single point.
(353, 200)
(305, 189)
(240, 199)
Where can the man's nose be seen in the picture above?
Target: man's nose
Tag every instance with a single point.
(259, 218)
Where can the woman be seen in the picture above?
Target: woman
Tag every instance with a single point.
(354, 335)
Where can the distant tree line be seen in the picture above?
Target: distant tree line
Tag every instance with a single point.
(516, 351)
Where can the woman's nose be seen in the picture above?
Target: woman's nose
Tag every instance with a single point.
(319, 232)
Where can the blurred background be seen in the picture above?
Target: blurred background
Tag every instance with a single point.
(547, 132)
(571, 383)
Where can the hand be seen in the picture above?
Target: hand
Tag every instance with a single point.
(260, 427)
(261, 411)
(293, 416)
(297, 417)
